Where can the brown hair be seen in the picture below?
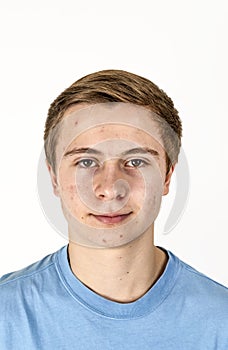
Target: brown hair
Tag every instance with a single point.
(116, 86)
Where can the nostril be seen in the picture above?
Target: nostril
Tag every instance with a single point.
(110, 191)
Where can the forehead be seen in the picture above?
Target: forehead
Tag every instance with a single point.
(81, 118)
(88, 125)
(114, 138)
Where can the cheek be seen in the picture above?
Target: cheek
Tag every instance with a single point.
(68, 196)
(67, 180)
(153, 186)
(68, 190)
(137, 188)
(70, 199)
(147, 186)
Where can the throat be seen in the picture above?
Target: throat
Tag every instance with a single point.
(116, 275)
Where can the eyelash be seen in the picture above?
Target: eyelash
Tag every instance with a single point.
(80, 162)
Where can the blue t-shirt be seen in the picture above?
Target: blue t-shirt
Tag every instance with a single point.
(44, 306)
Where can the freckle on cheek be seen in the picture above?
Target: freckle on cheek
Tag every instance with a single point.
(104, 240)
(121, 236)
(71, 187)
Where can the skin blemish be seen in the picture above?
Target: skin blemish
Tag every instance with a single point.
(127, 271)
(121, 236)
(76, 123)
(104, 240)
(120, 257)
(71, 198)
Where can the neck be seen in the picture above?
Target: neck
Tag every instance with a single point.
(122, 274)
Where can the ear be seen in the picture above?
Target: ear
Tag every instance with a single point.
(53, 179)
(168, 179)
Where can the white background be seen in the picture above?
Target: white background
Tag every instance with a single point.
(179, 45)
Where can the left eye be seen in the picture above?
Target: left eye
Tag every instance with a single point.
(135, 163)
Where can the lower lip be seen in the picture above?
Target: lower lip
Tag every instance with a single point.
(111, 220)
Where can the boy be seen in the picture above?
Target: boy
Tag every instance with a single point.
(112, 141)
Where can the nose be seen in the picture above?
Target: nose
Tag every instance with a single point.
(109, 182)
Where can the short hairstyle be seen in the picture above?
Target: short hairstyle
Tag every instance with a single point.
(116, 86)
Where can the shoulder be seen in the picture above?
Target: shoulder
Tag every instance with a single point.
(202, 282)
(198, 301)
(201, 293)
(27, 271)
(22, 279)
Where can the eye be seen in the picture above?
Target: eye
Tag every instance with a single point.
(86, 163)
(135, 163)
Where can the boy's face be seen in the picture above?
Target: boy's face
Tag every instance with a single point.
(111, 173)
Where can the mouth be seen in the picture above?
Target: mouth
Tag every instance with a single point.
(111, 218)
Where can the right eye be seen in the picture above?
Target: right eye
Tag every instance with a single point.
(86, 163)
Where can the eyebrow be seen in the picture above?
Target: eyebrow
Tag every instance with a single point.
(88, 150)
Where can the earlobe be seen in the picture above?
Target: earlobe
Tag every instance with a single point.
(168, 180)
(54, 181)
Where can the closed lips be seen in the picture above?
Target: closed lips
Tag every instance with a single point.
(111, 218)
